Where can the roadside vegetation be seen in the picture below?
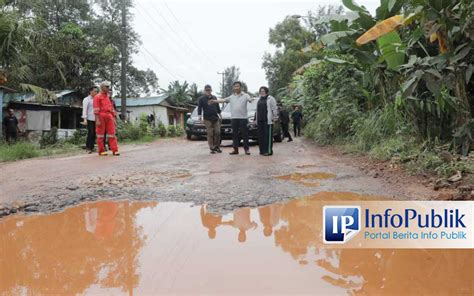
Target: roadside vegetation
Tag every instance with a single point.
(142, 131)
(395, 86)
(24, 150)
(49, 144)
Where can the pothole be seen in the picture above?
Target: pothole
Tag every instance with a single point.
(305, 166)
(136, 179)
(307, 179)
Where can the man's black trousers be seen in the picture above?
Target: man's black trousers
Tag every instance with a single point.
(286, 133)
(240, 129)
(297, 128)
(90, 140)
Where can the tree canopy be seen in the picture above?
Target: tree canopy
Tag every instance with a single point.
(68, 44)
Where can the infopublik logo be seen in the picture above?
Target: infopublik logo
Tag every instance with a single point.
(341, 223)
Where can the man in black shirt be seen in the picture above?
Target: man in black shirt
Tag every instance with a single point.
(284, 116)
(10, 127)
(212, 119)
(297, 117)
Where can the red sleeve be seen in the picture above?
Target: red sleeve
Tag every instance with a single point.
(96, 104)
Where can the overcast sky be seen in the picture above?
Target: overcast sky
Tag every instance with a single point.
(193, 40)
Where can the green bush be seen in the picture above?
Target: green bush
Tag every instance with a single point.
(129, 131)
(171, 132)
(49, 138)
(332, 123)
(179, 131)
(160, 130)
(78, 138)
(144, 125)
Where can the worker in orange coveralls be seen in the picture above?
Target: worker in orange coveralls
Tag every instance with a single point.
(105, 120)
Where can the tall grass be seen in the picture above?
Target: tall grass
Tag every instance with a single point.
(20, 150)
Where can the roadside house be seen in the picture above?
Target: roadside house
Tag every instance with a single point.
(160, 106)
(62, 112)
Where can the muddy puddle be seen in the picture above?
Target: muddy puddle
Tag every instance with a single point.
(149, 248)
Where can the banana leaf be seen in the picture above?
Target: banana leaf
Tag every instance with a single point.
(331, 38)
(388, 8)
(351, 5)
(380, 29)
(392, 49)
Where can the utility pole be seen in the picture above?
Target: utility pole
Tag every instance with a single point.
(223, 81)
(123, 68)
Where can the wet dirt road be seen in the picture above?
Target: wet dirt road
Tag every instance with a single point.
(180, 170)
(150, 248)
(168, 218)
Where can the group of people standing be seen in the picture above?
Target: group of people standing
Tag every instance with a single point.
(100, 117)
(267, 113)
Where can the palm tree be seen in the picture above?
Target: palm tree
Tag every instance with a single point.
(179, 93)
(13, 37)
(195, 92)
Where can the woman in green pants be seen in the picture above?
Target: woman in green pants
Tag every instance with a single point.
(267, 113)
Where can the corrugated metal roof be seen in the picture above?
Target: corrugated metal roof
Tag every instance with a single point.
(148, 101)
(60, 93)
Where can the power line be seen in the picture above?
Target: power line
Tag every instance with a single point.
(187, 34)
(175, 76)
(158, 24)
(198, 55)
(174, 40)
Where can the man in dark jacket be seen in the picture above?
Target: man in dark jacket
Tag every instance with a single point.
(284, 116)
(212, 119)
(10, 127)
(297, 117)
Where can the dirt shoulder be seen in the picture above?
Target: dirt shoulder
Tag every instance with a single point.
(395, 173)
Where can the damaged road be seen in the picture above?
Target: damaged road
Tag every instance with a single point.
(168, 218)
(183, 171)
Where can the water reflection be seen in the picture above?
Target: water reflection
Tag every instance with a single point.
(210, 221)
(143, 248)
(64, 253)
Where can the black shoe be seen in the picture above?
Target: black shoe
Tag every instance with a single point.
(235, 152)
(213, 151)
(290, 140)
(247, 152)
(218, 150)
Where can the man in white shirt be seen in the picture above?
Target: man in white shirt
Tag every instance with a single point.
(89, 118)
(239, 117)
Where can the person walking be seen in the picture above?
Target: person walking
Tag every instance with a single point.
(212, 119)
(10, 127)
(267, 113)
(284, 116)
(105, 120)
(239, 117)
(89, 118)
(297, 117)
